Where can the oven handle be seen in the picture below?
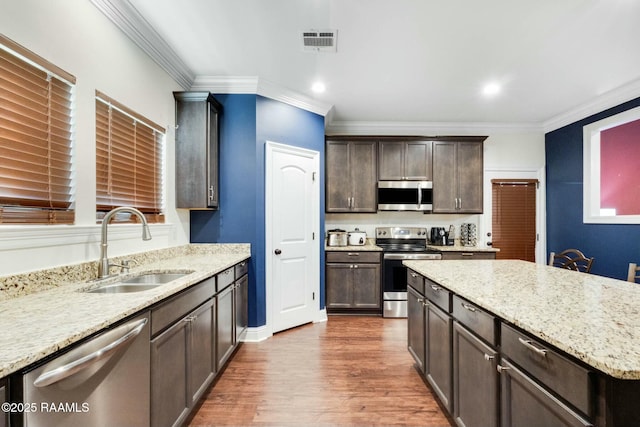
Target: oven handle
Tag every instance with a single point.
(396, 256)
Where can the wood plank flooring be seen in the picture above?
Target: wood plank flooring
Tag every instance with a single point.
(348, 371)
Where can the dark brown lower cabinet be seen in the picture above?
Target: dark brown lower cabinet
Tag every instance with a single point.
(416, 327)
(475, 380)
(181, 366)
(438, 354)
(527, 404)
(225, 324)
(353, 282)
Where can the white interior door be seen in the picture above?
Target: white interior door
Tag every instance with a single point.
(292, 227)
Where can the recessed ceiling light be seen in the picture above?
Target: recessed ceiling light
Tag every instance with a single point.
(318, 87)
(491, 89)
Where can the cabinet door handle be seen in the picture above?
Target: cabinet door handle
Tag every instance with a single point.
(436, 288)
(469, 307)
(501, 368)
(529, 344)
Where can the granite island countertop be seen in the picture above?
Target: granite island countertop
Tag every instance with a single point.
(593, 318)
(37, 324)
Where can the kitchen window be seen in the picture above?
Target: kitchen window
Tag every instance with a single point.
(129, 151)
(36, 135)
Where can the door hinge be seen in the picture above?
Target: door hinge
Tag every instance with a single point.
(313, 294)
(313, 176)
(313, 235)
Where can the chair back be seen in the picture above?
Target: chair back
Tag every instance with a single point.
(571, 259)
(634, 272)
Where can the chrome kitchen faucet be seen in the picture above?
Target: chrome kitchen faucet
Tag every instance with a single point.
(103, 264)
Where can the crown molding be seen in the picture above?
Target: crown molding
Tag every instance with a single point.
(258, 86)
(428, 128)
(603, 102)
(128, 19)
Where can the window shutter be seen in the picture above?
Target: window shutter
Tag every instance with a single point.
(514, 218)
(128, 160)
(36, 132)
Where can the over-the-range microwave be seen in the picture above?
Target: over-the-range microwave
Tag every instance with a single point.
(405, 196)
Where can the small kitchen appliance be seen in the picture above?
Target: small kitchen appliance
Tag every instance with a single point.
(399, 244)
(337, 237)
(357, 237)
(438, 236)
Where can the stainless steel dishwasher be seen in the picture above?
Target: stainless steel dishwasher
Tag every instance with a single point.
(102, 382)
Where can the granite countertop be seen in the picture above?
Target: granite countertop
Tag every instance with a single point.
(39, 323)
(369, 245)
(590, 317)
(459, 248)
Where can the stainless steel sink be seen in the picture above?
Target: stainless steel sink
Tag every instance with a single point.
(155, 278)
(139, 283)
(123, 288)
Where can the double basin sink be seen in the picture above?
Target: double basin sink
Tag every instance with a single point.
(139, 283)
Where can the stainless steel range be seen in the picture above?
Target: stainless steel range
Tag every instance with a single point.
(398, 244)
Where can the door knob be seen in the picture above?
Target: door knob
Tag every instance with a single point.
(278, 251)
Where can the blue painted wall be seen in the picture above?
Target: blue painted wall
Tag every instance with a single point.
(612, 245)
(247, 123)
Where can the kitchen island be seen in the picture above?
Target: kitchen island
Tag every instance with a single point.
(537, 323)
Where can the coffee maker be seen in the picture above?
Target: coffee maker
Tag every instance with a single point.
(438, 236)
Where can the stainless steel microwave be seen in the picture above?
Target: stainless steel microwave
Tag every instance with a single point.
(405, 196)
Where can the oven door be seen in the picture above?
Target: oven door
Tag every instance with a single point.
(394, 281)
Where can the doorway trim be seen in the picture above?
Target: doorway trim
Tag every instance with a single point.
(541, 220)
(270, 148)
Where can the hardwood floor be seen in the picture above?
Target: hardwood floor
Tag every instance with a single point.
(350, 370)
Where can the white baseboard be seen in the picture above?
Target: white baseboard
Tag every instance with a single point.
(261, 333)
(322, 316)
(257, 334)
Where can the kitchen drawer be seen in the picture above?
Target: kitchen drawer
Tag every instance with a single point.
(569, 380)
(241, 268)
(415, 280)
(437, 295)
(476, 319)
(224, 279)
(353, 257)
(468, 255)
(181, 304)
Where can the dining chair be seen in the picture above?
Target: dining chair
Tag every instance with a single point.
(634, 272)
(571, 259)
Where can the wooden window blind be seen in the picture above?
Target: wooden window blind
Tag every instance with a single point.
(128, 160)
(514, 218)
(36, 134)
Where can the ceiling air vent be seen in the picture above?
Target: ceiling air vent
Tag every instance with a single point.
(319, 40)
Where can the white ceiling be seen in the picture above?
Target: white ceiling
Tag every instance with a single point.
(419, 61)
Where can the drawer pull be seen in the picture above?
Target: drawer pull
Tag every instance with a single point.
(353, 254)
(414, 275)
(469, 307)
(436, 288)
(530, 346)
(467, 254)
(488, 357)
